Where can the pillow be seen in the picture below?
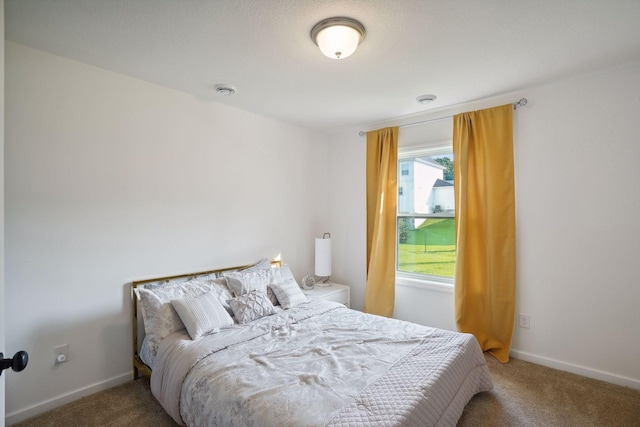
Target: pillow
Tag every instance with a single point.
(160, 318)
(251, 306)
(288, 293)
(222, 292)
(260, 265)
(280, 275)
(202, 315)
(241, 282)
(155, 316)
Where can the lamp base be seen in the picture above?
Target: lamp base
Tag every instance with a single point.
(323, 283)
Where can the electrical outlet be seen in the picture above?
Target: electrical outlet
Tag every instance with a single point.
(62, 353)
(525, 320)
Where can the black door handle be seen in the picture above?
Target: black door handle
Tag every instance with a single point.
(17, 363)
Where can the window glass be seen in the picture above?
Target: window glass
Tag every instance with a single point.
(426, 214)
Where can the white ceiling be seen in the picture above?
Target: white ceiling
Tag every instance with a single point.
(459, 50)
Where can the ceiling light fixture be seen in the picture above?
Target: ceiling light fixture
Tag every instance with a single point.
(338, 37)
(225, 90)
(426, 99)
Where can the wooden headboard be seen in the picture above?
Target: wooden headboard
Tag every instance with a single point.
(139, 367)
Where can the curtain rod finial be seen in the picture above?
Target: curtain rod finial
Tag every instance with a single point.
(521, 103)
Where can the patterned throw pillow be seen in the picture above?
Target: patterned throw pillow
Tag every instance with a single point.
(288, 293)
(241, 282)
(202, 315)
(260, 265)
(280, 275)
(222, 292)
(251, 306)
(160, 318)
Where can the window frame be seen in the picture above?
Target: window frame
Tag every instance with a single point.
(416, 280)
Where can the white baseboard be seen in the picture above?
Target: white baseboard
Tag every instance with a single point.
(38, 408)
(576, 369)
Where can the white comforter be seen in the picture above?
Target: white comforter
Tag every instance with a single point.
(319, 364)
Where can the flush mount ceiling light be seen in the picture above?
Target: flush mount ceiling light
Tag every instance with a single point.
(225, 90)
(425, 99)
(338, 37)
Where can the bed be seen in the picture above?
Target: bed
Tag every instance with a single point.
(243, 346)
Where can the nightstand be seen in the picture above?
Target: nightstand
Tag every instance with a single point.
(333, 292)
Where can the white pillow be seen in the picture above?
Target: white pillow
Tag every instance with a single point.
(160, 318)
(260, 265)
(202, 315)
(251, 306)
(156, 303)
(281, 274)
(288, 293)
(221, 291)
(241, 282)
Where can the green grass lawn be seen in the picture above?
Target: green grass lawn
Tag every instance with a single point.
(430, 248)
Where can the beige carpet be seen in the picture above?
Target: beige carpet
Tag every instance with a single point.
(524, 395)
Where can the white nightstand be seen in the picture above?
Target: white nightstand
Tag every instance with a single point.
(333, 292)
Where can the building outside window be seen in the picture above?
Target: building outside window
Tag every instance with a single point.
(426, 215)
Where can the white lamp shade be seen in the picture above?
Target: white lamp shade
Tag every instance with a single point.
(323, 257)
(338, 41)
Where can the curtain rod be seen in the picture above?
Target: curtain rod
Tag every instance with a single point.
(520, 103)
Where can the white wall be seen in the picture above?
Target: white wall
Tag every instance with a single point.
(577, 266)
(110, 179)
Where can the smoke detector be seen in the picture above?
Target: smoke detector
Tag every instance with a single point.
(425, 99)
(225, 90)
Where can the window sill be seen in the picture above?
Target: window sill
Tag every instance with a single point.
(424, 284)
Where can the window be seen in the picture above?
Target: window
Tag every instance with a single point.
(426, 215)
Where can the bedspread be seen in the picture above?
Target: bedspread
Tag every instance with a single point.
(319, 364)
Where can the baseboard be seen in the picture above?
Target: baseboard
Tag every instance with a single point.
(577, 369)
(38, 408)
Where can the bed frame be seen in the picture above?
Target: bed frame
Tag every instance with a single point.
(139, 367)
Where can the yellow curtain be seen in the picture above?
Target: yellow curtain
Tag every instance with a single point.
(485, 227)
(382, 199)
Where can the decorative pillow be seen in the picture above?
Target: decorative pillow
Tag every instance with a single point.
(160, 318)
(202, 315)
(288, 293)
(260, 265)
(251, 306)
(222, 292)
(280, 275)
(242, 282)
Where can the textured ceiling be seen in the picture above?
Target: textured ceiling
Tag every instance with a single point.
(459, 50)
